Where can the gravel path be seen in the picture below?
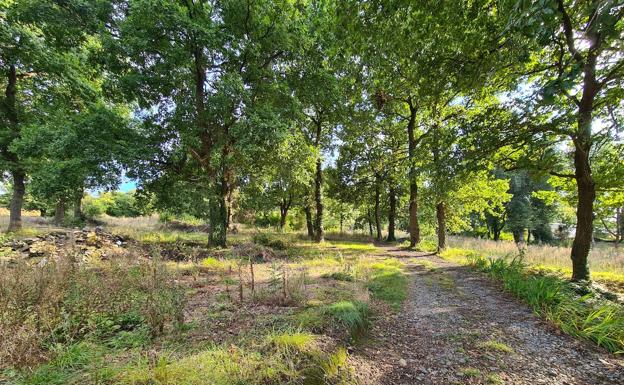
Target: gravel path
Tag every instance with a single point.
(457, 327)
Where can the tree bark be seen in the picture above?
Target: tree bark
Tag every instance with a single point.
(586, 186)
(618, 226)
(392, 213)
(284, 207)
(78, 205)
(17, 200)
(319, 234)
(219, 211)
(309, 222)
(370, 222)
(59, 213)
(377, 211)
(414, 227)
(441, 216)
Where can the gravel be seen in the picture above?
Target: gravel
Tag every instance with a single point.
(457, 327)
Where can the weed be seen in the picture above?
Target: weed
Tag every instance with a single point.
(493, 379)
(470, 372)
(496, 346)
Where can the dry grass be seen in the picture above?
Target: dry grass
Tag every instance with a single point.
(603, 258)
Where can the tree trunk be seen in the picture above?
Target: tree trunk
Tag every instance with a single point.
(59, 213)
(392, 213)
(584, 180)
(318, 188)
(584, 216)
(618, 226)
(377, 211)
(18, 174)
(441, 216)
(284, 207)
(414, 227)
(78, 205)
(497, 233)
(518, 235)
(219, 212)
(17, 200)
(309, 222)
(370, 222)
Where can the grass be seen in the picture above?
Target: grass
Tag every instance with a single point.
(605, 261)
(284, 357)
(470, 372)
(388, 282)
(496, 346)
(584, 315)
(122, 325)
(351, 314)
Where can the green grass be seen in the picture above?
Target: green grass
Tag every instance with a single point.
(388, 282)
(470, 372)
(339, 276)
(72, 364)
(352, 314)
(286, 357)
(496, 346)
(585, 316)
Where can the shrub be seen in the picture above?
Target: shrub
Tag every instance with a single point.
(268, 240)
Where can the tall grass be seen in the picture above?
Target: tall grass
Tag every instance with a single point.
(603, 257)
(62, 302)
(558, 301)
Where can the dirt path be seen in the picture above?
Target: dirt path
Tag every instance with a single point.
(458, 328)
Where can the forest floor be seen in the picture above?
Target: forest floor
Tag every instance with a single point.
(459, 327)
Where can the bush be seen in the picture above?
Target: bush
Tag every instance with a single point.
(64, 303)
(93, 207)
(268, 240)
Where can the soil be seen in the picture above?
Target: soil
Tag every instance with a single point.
(459, 327)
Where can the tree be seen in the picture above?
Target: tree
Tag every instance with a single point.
(577, 66)
(209, 78)
(44, 64)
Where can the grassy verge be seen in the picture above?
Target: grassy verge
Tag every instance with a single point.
(577, 310)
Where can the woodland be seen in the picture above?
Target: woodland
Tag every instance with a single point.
(261, 191)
